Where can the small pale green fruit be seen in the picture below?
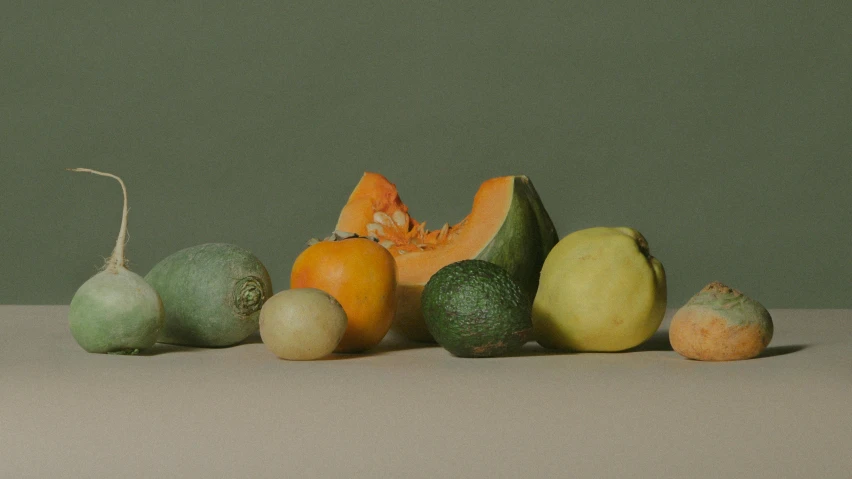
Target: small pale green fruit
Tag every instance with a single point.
(302, 324)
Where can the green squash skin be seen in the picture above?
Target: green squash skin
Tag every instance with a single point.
(475, 309)
(524, 240)
(212, 294)
(116, 312)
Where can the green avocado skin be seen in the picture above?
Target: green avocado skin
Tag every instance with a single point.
(474, 308)
(212, 294)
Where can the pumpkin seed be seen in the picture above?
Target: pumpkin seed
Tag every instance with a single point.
(444, 231)
(375, 229)
(400, 218)
(382, 218)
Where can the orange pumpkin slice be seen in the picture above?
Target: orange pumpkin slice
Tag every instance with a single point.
(507, 225)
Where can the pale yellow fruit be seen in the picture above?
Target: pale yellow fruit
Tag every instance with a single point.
(600, 290)
(302, 324)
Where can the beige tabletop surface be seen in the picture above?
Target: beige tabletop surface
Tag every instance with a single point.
(408, 410)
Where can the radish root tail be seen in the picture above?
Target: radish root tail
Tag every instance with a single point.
(117, 260)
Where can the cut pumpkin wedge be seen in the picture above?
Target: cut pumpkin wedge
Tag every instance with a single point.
(507, 225)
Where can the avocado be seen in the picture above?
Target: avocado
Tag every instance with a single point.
(475, 309)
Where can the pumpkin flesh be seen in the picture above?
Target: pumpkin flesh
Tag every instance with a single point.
(507, 225)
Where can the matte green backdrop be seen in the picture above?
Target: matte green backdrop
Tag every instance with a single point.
(720, 130)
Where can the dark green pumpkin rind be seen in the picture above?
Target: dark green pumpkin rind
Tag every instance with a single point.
(474, 308)
(525, 239)
(212, 294)
(547, 230)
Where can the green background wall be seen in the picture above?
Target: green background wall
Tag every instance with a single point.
(721, 130)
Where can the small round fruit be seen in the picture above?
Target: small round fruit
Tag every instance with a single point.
(302, 324)
(474, 308)
(720, 324)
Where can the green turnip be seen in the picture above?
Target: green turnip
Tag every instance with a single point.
(115, 311)
(212, 294)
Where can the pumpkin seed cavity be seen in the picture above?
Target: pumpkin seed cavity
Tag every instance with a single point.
(401, 234)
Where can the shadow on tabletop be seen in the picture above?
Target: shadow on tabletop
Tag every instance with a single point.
(252, 339)
(390, 344)
(658, 342)
(165, 348)
(532, 348)
(772, 351)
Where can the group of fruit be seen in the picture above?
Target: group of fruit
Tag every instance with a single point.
(481, 288)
